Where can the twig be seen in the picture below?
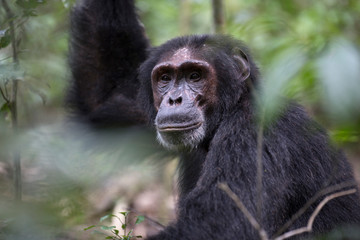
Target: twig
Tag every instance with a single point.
(242, 207)
(259, 169)
(13, 103)
(10, 16)
(312, 200)
(148, 218)
(185, 18)
(308, 228)
(4, 96)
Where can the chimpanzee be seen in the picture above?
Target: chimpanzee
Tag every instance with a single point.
(197, 93)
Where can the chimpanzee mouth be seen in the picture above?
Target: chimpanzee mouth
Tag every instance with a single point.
(178, 127)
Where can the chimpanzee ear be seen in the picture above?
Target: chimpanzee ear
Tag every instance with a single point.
(243, 62)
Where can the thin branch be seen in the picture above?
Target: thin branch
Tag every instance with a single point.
(312, 200)
(309, 226)
(218, 16)
(13, 103)
(10, 16)
(4, 96)
(6, 91)
(185, 9)
(148, 218)
(242, 207)
(259, 169)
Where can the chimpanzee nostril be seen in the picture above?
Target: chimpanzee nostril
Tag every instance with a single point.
(175, 102)
(178, 101)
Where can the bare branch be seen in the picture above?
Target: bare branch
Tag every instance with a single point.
(13, 102)
(309, 226)
(185, 18)
(10, 16)
(259, 169)
(148, 218)
(218, 16)
(312, 200)
(242, 207)
(4, 96)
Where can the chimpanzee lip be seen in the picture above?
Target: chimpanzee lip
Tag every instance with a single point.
(178, 127)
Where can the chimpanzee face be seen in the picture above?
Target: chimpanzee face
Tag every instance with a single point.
(183, 85)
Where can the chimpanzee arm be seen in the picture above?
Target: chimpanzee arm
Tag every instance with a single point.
(108, 44)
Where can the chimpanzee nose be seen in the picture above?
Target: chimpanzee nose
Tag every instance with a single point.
(174, 101)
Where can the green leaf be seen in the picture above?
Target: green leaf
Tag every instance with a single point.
(277, 78)
(5, 38)
(124, 213)
(139, 219)
(107, 227)
(109, 237)
(98, 232)
(339, 73)
(5, 108)
(28, 4)
(123, 226)
(345, 136)
(105, 217)
(92, 226)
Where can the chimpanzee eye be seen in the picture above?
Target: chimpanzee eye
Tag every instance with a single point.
(165, 78)
(195, 76)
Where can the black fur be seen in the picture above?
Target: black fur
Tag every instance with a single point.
(108, 45)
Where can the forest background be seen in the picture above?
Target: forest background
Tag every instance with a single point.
(306, 50)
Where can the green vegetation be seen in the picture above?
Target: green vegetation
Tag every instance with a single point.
(115, 233)
(307, 50)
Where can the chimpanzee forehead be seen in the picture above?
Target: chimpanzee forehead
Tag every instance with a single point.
(180, 55)
(183, 53)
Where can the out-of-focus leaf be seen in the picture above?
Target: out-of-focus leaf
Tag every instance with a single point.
(105, 217)
(90, 227)
(68, 3)
(5, 108)
(339, 77)
(107, 227)
(139, 219)
(5, 38)
(345, 136)
(10, 72)
(99, 233)
(29, 13)
(27, 4)
(276, 79)
(124, 213)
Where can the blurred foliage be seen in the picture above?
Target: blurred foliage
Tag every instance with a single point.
(307, 50)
